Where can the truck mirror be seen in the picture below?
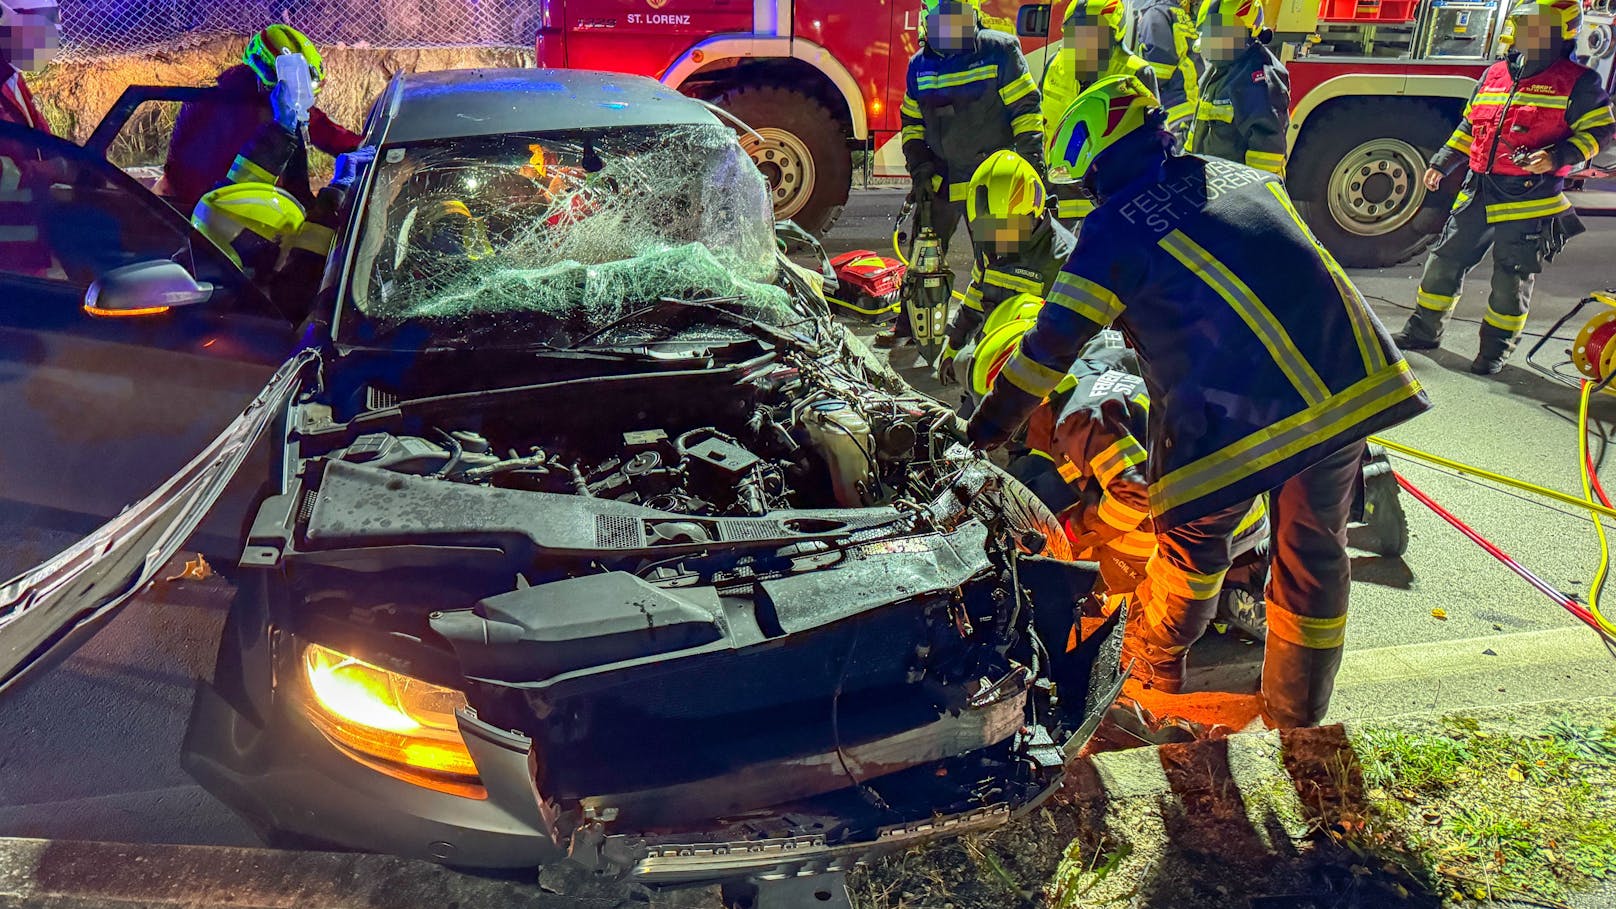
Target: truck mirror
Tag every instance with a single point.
(1032, 20)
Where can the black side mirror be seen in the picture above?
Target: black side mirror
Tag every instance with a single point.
(1032, 20)
(145, 289)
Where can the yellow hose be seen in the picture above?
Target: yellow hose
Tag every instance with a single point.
(898, 252)
(1460, 466)
(1583, 465)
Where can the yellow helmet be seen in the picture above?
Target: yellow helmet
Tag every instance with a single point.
(271, 43)
(1005, 184)
(1568, 13)
(449, 228)
(1105, 113)
(1098, 12)
(1248, 13)
(1001, 335)
(242, 216)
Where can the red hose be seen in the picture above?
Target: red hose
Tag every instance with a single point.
(1549, 590)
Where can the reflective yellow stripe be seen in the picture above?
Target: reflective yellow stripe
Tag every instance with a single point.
(1314, 634)
(1187, 584)
(1462, 199)
(1031, 376)
(1510, 324)
(1123, 453)
(1018, 89)
(1460, 142)
(1180, 111)
(1535, 208)
(1120, 515)
(1490, 98)
(1268, 161)
(914, 133)
(1069, 471)
(1028, 123)
(959, 192)
(1137, 544)
(1074, 209)
(972, 297)
(1013, 282)
(1363, 329)
(1212, 110)
(1254, 515)
(1273, 444)
(315, 238)
(245, 170)
(1599, 116)
(1585, 143)
(1086, 298)
(1041, 454)
(1552, 102)
(966, 77)
(1163, 71)
(1436, 302)
(910, 108)
(1251, 310)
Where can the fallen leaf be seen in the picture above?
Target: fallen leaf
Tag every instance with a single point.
(1439, 614)
(1515, 775)
(196, 569)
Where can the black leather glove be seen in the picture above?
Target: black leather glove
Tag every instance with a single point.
(922, 183)
(985, 433)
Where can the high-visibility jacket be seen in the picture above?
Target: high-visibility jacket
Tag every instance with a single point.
(1060, 88)
(1244, 111)
(21, 177)
(208, 134)
(1032, 269)
(1260, 356)
(1560, 107)
(959, 108)
(1165, 35)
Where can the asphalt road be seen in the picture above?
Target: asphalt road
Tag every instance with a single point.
(90, 751)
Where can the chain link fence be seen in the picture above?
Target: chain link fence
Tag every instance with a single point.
(94, 29)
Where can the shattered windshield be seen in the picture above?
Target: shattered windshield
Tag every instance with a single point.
(542, 239)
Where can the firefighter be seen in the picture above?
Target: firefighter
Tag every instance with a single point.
(1165, 36)
(30, 37)
(1266, 371)
(1532, 117)
(1092, 47)
(208, 133)
(968, 95)
(1019, 248)
(1244, 109)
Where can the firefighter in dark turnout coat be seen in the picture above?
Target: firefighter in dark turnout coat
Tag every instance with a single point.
(1244, 109)
(1266, 372)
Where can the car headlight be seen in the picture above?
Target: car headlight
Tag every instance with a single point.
(376, 713)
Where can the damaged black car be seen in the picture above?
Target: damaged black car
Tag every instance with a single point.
(572, 529)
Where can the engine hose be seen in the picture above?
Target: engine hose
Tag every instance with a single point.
(1562, 599)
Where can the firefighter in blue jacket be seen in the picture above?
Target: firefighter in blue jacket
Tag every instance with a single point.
(1266, 372)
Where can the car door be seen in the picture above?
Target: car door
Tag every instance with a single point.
(100, 410)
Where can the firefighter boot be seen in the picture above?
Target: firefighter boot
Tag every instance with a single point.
(1153, 665)
(1494, 351)
(1435, 300)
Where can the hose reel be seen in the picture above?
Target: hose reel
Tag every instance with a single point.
(1593, 353)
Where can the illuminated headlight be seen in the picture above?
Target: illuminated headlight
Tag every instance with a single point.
(404, 725)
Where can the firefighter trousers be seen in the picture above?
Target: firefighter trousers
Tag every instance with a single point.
(1308, 583)
(1518, 254)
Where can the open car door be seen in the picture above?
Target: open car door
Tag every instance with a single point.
(131, 409)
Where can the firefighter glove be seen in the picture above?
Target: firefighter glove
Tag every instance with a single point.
(985, 433)
(945, 365)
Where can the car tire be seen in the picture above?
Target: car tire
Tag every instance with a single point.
(1356, 175)
(803, 152)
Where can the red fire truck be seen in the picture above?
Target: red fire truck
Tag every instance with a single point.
(1377, 87)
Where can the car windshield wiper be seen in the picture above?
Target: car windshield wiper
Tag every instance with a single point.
(714, 305)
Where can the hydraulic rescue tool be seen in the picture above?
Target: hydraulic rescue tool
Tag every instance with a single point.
(928, 284)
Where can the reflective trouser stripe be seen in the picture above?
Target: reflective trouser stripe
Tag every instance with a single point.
(1069, 471)
(1511, 324)
(1304, 631)
(1436, 302)
(1134, 544)
(1535, 208)
(1252, 311)
(1183, 582)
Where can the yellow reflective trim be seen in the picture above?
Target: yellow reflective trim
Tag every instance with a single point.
(1510, 324)
(1123, 453)
(1551, 102)
(1363, 330)
(1599, 116)
(1304, 631)
(1436, 302)
(1462, 199)
(1137, 544)
(1268, 161)
(1028, 123)
(1294, 434)
(1031, 376)
(1180, 111)
(1521, 211)
(1074, 209)
(1252, 311)
(1490, 98)
(1120, 515)
(964, 77)
(1212, 110)
(1013, 282)
(1254, 515)
(972, 299)
(910, 107)
(1042, 454)
(959, 192)
(1585, 143)
(246, 170)
(1069, 471)
(1086, 298)
(1018, 89)
(314, 238)
(1460, 142)
(1187, 584)
(914, 133)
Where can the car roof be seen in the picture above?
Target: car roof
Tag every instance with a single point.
(484, 102)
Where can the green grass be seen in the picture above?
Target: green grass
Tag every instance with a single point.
(1495, 815)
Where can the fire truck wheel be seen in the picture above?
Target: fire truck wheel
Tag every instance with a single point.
(803, 152)
(1356, 176)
